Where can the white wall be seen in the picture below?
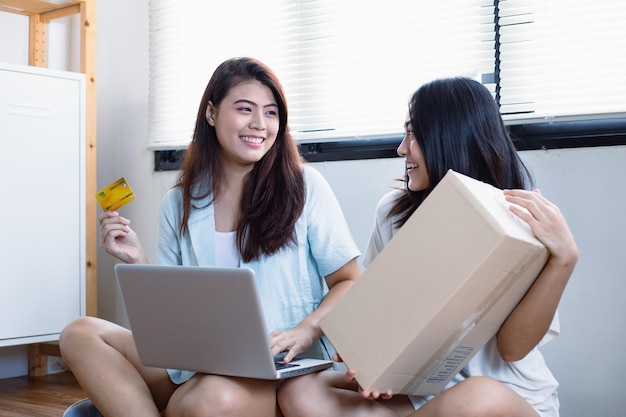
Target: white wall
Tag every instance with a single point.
(585, 183)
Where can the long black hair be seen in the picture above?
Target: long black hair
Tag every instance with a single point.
(457, 125)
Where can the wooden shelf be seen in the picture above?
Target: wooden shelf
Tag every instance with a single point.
(40, 13)
(33, 7)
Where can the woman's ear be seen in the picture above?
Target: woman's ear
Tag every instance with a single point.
(210, 114)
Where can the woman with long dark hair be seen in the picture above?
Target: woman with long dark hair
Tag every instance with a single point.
(243, 199)
(454, 123)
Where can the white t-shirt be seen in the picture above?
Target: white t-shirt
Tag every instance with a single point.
(529, 377)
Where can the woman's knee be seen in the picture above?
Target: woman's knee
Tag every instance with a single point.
(478, 395)
(289, 395)
(210, 396)
(303, 395)
(217, 404)
(84, 334)
(76, 332)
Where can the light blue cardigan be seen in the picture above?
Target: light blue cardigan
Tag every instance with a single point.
(290, 282)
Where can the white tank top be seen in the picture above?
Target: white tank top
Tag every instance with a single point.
(226, 249)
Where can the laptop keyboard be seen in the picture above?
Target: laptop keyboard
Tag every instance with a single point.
(283, 365)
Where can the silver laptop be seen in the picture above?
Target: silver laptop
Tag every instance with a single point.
(202, 319)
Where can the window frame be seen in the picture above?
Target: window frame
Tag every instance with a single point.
(526, 136)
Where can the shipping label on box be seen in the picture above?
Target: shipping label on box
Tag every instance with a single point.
(438, 291)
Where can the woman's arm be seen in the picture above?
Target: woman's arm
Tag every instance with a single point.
(530, 320)
(301, 337)
(332, 247)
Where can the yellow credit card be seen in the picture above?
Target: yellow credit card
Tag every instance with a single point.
(115, 195)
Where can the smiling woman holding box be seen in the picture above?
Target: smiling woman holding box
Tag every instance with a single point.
(454, 124)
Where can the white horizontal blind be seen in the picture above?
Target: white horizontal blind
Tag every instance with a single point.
(189, 39)
(348, 67)
(562, 59)
(368, 57)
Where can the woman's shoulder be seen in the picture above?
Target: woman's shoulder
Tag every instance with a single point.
(314, 180)
(386, 202)
(174, 192)
(311, 174)
(172, 201)
(173, 196)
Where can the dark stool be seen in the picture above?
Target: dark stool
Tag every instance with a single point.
(82, 408)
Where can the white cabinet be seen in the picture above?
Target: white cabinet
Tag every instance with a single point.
(42, 202)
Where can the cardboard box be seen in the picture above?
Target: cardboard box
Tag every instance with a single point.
(438, 291)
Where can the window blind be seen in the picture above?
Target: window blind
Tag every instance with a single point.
(348, 68)
(562, 59)
(189, 39)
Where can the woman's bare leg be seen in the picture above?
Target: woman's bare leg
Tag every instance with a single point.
(103, 357)
(477, 396)
(328, 394)
(217, 396)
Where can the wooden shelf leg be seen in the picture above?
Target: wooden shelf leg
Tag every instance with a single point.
(38, 357)
(37, 41)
